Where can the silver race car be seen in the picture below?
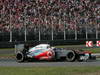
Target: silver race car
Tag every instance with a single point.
(46, 52)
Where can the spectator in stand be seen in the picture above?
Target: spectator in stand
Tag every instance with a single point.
(39, 12)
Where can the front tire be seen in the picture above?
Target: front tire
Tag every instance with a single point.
(71, 56)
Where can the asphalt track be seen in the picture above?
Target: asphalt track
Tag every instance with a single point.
(13, 63)
(7, 51)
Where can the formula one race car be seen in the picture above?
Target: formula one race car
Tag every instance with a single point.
(46, 52)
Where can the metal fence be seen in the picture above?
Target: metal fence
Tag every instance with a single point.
(27, 35)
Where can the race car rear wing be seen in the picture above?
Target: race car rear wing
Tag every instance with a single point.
(19, 47)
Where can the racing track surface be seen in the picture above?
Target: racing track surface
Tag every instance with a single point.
(13, 63)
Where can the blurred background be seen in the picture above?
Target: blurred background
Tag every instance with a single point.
(30, 20)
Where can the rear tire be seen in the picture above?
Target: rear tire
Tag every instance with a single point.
(20, 57)
(71, 56)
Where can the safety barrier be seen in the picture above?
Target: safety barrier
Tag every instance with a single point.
(51, 42)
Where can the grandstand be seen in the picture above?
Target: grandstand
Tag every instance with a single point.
(29, 20)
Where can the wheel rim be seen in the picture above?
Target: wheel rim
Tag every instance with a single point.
(70, 56)
(20, 57)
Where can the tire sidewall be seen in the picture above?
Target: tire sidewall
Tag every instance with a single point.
(73, 57)
(22, 59)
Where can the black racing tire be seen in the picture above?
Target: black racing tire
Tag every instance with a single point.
(20, 57)
(71, 56)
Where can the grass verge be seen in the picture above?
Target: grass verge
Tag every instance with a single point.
(49, 70)
(67, 46)
(6, 48)
(7, 55)
(93, 50)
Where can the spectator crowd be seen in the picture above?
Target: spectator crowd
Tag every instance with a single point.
(16, 15)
